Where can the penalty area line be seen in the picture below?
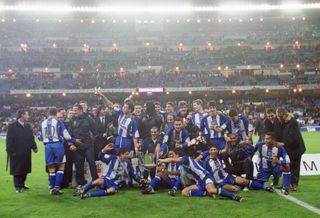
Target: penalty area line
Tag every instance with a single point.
(299, 202)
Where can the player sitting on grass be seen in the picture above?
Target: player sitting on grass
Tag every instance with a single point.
(119, 170)
(204, 183)
(169, 176)
(269, 161)
(213, 164)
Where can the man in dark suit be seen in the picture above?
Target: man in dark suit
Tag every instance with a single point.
(101, 121)
(83, 127)
(270, 120)
(288, 132)
(148, 120)
(67, 178)
(259, 127)
(20, 141)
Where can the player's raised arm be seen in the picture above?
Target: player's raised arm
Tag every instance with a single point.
(169, 160)
(104, 98)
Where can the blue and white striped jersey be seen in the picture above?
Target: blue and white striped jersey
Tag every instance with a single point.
(267, 153)
(214, 167)
(241, 128)
(127, 130)
(172, 167)
(171, 137)
(53, 130)
(220, 121)
(196, 119)
(193, 168)
(117, 170)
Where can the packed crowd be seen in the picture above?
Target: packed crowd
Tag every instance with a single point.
(152, 79)
(69, 59)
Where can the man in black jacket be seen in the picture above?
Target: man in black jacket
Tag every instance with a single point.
(101, 121)
(288, 132)
(20, 142)
(259, 127)
(240, 156)
(270, 120)
(67, 178)
(149, 119)
(83, 127)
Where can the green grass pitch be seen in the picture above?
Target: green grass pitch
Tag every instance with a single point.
(37, 202)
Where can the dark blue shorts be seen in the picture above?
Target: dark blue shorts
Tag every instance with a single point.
(170, 182)
(264, 174)
(127, 143)
(54, 153)
(202, 184)
(109, 184)
(228, 180)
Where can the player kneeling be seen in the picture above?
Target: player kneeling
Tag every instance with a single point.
(212, 163)
(204, 185)
(270, 154)
(169, 176)
(119, 170)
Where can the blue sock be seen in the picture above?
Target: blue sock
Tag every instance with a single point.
(256, 185)
(225, 193)
(59, 177)
(154, 182)
(286, 179)
(88, 186)
(197, 193)
(177, 184)
(52, 180)
(98, 193)
(169, 181)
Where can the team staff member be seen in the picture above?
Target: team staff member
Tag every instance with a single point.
(20, 141)
(83, 127)
(289, 134)
(101, 122)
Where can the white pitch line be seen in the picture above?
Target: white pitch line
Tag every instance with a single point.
(301, 203)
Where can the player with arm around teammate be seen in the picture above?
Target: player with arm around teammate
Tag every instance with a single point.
(169, 175)
(213, 164)
(119, 170)
(204, 184)
(52, 133)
